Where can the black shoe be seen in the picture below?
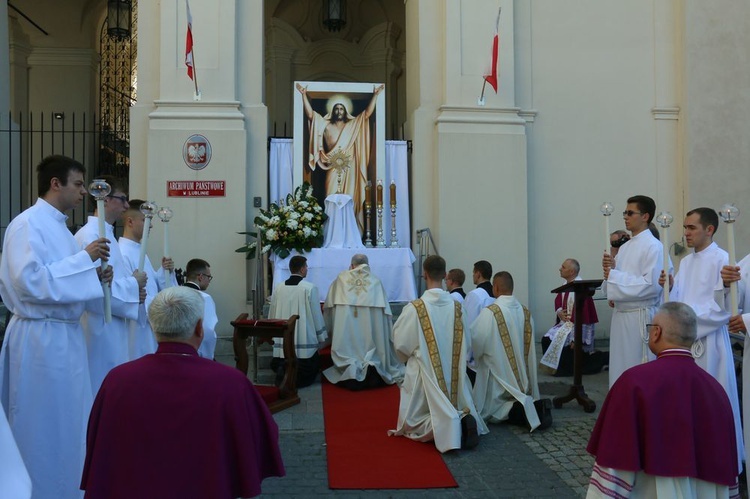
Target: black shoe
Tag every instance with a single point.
(469, 434)
(544, 411)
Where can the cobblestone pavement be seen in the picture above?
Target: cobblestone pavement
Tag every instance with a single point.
(509, 462)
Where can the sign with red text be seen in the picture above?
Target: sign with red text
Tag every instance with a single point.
(196, 188)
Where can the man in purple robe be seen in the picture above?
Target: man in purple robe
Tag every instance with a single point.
(172, 424)
(666, 428)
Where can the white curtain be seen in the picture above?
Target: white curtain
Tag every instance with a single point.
(281, 183)
(280, 177)
(397, 170)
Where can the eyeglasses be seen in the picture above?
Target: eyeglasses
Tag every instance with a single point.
(649, 326)
(630, 213)
(123, 199)
(209, 277)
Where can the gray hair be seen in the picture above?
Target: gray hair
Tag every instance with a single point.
(174, 313)
(360, 259)
(681, 324)
(576, 266)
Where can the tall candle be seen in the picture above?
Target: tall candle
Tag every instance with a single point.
(393, 193)
(105, 287)
(368, 193)
(665, 219)
(144, 243)
(380, 193)
(733, 262)
(729, 214)
(606, 209)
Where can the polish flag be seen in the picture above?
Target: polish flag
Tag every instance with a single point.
(189, 42)
(492, 77)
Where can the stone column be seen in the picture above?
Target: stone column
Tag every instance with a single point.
(167, 116)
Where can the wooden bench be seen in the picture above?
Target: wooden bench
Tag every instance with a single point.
(265, 330)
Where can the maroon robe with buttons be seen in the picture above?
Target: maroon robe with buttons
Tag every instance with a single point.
(172, 424)
(667, 418)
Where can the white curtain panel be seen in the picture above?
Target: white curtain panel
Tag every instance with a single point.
(280, 178)
(397, 170)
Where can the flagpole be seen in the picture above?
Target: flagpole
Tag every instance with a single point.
(197, 95)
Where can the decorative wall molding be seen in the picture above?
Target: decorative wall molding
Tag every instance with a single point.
(63, 57)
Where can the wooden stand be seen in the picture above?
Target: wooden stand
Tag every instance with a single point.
(266, 331)
(582, 289)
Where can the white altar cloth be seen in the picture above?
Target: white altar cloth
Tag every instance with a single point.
(341, 229)
(392, 265)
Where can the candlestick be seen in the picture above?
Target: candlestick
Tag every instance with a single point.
(393, 193)
(368, 192)
(394, 239)
(164, 215)
(380, 242)
(380, 193)
(100, 190)
(729, 214)
(607, 209)
(665, 220)
(148, 209)
(368, 241)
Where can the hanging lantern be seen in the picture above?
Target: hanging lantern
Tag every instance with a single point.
(334, 14)
(119, 18)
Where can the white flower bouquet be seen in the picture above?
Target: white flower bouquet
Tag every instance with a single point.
(296, 224)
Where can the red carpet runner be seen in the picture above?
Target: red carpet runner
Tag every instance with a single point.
(361, 455)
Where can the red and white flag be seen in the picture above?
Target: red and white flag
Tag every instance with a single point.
(189, 42)
(492, 77)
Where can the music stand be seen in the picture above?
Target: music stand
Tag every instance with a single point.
(582, 290)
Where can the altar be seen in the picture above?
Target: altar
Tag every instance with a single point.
(394, 267)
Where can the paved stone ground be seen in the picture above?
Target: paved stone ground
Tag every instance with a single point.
(509, 461)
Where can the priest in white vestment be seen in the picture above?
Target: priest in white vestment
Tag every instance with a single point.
(436, 393)
(505, 355)
(740, 324)
(632, 285)
(296, 296)
(340, 147)
(359, 320)
(107, 342)
(45, 280)
(698, 283)
(665, 429)
(141, 339)
(198, 276)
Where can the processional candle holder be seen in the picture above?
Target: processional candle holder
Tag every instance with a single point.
(729, 213)
(368, 211)
(100, 189)
(394, 238)
(607, 209)
(380, 242)
(664, 220)
(165, 214)
(149, 209)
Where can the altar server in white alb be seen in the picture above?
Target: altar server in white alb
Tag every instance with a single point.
(436, 393)
(481, 296)
(198, 276)
(141, 339)
(45, 280)
(358, 317)
(14, 479)
(740, 324)
(502, 338)
(698, 284)
(632, 284)
(296, 296)
(107, 342)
